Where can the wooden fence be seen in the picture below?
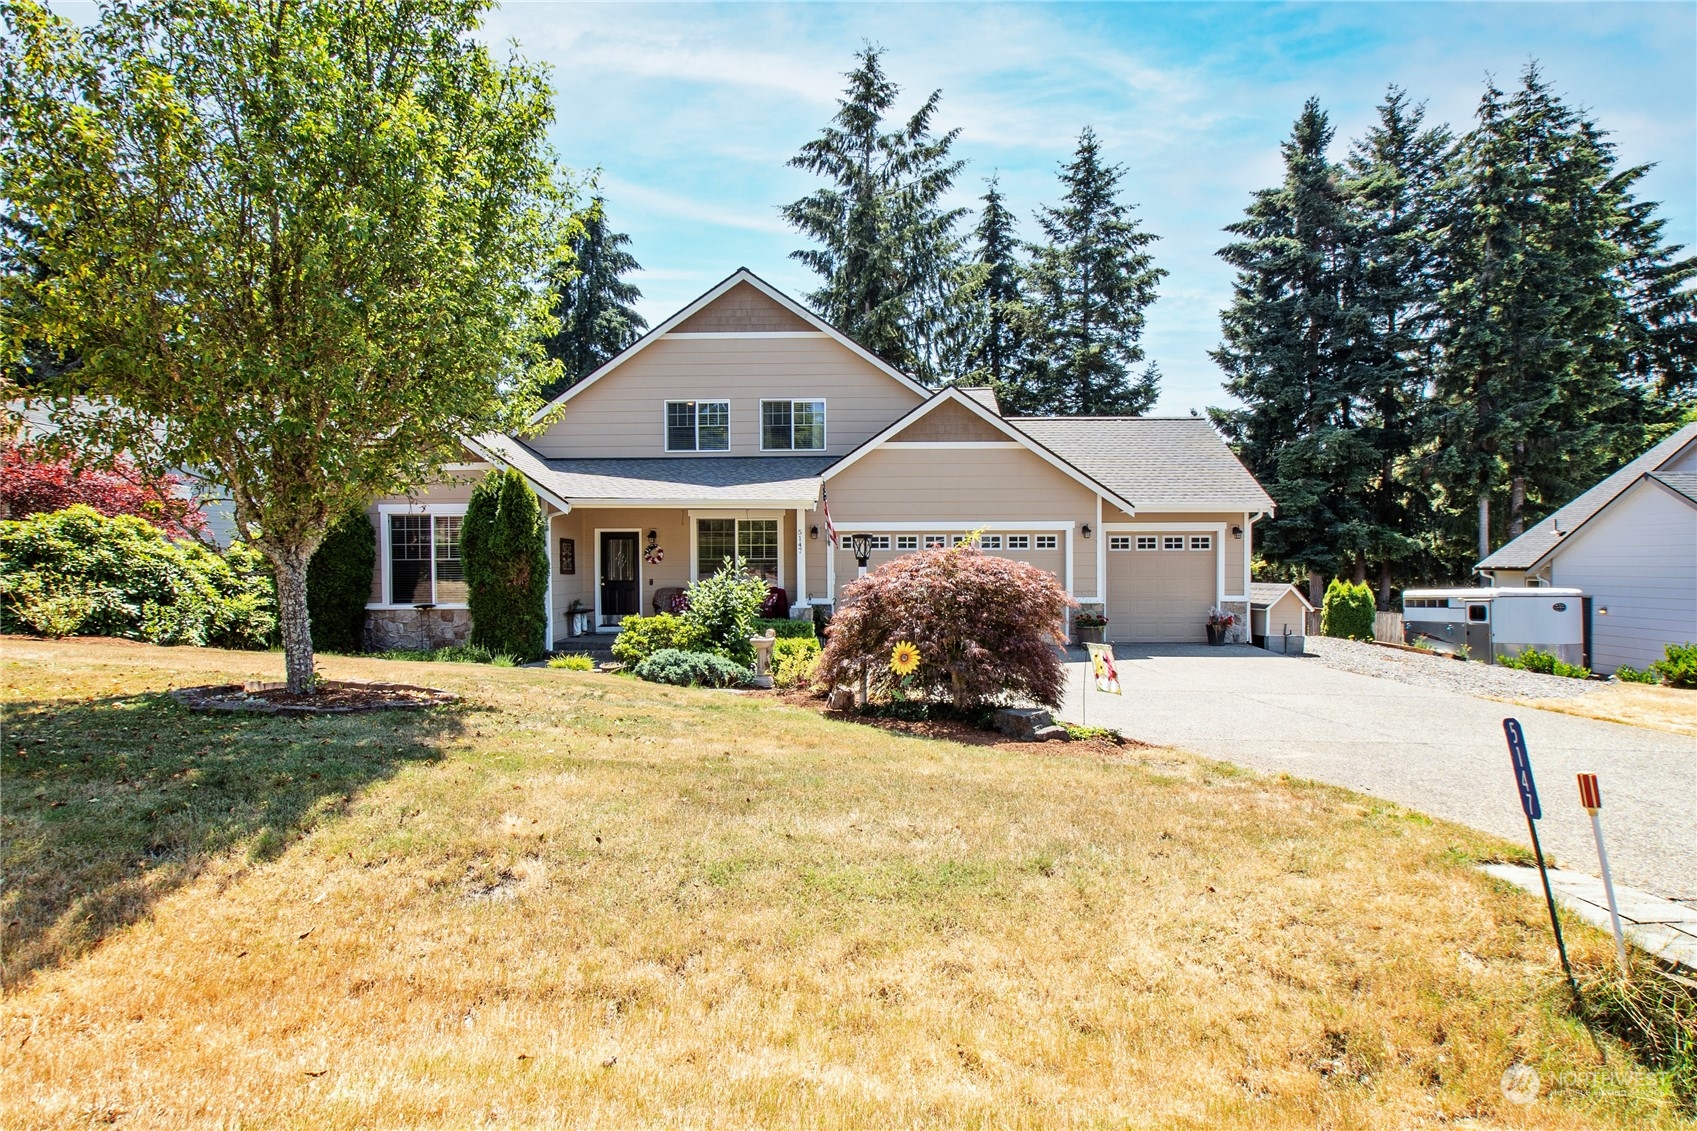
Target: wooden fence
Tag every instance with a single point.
(1387, 628)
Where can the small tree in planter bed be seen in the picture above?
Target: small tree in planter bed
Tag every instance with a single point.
(987, 627)
(506, 565)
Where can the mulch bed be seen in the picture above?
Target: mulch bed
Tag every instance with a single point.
(951, 730)
(333, 697)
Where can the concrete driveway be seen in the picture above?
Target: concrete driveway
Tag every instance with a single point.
(1432, 750)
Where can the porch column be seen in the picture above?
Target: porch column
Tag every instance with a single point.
(548, 593)
(800, 556)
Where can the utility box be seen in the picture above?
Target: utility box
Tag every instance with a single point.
(1489, 623)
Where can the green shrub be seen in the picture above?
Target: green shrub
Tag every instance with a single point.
(450, 654)
(1678, 667)
(338, 583)
(641, 637)
(1348, 611)
(505, 551)
(724, 607)
(576, 663)
(1626, 673)
(692, 669)
(794, 659)
(1545, 663)
(1076, 733)
(76, 572)
(785, 629)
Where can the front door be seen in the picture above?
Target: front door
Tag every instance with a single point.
(618, 576)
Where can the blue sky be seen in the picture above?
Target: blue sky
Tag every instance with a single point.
(690, 112)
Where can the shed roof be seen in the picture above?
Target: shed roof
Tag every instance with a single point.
(1265, 594)
(1154, 461)
(1532, 547)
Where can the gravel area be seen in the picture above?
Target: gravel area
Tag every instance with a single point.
(1443, 673)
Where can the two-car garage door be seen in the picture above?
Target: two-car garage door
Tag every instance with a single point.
(1161, 586)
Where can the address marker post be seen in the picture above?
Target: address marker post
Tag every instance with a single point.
(1591, 797)
(1522, 762)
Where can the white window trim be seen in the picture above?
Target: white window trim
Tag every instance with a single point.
(384, 510)
(1129, 539)
(695, 540)
(824, 412)
(666, 430)
(596, 577)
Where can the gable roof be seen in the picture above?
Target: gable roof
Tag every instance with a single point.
(1530, 549)
(1680, 482)
(1158, 462)
(984, 395)
(735, 481)
(741, 276)
(956, 396)
(1265, 594)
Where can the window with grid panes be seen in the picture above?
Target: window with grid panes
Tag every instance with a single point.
(424, 560)
(755, 540)
(1201, 541)
(1019, 541)
(1172, 542)
(698, 426)
(1048, 541)
(907, 541)
(797, 426)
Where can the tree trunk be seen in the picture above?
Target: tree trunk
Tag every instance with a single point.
(297, 628)
(1484, 524)
(1516, 506)
(1385, 586)
(1360, 577)
(1316, 588)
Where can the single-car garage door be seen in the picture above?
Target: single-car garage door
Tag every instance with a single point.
(1160, 586)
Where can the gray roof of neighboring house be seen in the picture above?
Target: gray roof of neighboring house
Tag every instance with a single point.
(984, 395)
(1684, 482)
(717, 479)
(1531, 547)
(1152, 461)
(1265, 593)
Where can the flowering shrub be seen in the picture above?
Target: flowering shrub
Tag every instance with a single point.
(31, 483)
(986, 628)
(77, 572)
(1090, 620)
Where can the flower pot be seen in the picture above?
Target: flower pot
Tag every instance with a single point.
(1216, 636)
(1092, 634)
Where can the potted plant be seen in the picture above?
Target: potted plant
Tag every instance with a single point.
(1092, 628)
(1219, 623)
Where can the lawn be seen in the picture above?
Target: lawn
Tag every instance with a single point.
(1636, 704)
(576, 899)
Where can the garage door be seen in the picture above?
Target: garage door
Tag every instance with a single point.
(1043, 550)
(1160, 586)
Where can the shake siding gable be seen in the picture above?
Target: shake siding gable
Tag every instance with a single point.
(950, 423)
(743, 310)
(624, 414)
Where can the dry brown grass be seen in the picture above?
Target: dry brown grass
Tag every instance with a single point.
(1639, 704)
(595, 902)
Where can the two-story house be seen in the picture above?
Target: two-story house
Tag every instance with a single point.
(733, 425)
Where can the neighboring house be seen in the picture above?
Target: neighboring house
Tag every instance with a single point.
(1277, 609)
(1630, 543)
(730, 427)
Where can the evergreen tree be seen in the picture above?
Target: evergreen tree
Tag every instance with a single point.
(592, 300)
(1291, 355)
(886, 250)
(1087, 286)
(994, 297)
(1530, 400)
(1658, 333)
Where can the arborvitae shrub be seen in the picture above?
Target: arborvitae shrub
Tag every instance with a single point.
(1348, 611)
(505, 551)
(338, 583)
(986, 628)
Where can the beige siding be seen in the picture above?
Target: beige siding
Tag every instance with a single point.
(950, 421)
(1287, 611)
(957, 490)
(623, 414)
(742, 310)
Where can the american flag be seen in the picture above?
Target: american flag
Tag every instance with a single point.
(830, 527)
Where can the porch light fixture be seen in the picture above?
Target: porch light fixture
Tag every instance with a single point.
(653, 536)
(1086, 530)
(813, 533)
(1237, 532)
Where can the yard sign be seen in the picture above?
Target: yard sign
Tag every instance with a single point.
(1102, 664)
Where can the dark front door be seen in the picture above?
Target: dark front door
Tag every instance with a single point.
(618, 577)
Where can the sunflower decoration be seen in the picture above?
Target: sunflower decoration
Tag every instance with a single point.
(904, 658)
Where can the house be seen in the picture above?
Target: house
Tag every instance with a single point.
(733, 425)
(1275, 610)
(1630, 543)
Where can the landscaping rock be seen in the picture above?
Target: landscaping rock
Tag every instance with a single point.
(1023, 722)
(1049, 734)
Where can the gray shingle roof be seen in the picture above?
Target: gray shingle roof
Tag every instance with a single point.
(984, 395)
(1528, 549)
(726, 480)
(1265, 593)
(1152, 460)
(1685, 482)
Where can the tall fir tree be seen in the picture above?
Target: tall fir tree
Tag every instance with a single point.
(1291, 354)
(887, 249)
(994, 296)
(593, 301)
(1657, 334)
(1530, 404)
(1394, 173)
(1087, 286)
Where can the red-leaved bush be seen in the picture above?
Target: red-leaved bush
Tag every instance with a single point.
(31, 483)
(987, 628)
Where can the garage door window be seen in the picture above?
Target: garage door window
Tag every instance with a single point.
(990, 541)
(1119, 541)
(1019, 541)
(879, 542)
(1148, 542)
(907, 541)
(935, 541)
(1201, 541)
(1173, 542)
(1047, 541)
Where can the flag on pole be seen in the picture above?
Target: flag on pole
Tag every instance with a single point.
(1102, 664)
(830, 527)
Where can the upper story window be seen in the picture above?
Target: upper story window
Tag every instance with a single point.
(792, 426)
(698, 426)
